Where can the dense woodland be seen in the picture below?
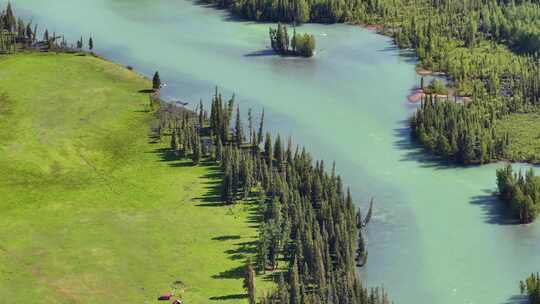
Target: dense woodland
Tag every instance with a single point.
(310, 235)
(297, 45)
(488, 55)
(520, 191)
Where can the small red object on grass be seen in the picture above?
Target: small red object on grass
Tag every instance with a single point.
(165, 297)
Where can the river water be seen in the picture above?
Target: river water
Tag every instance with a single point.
(437, 235)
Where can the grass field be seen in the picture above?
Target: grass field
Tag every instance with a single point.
(524, 132)
(91, 211)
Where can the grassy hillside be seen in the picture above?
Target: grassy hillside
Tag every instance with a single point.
(91, 210)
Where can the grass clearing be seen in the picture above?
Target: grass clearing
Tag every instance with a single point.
(524, 131)
(91, 211)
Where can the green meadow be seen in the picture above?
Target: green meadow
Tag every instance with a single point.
(95, 210)
(524, 132)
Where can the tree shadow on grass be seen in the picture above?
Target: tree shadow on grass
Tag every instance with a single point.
(226, 238)
(495, 211)
(229, 297)
(169, 157)
(233, 273)
(242, 250)
(212, 196)
(254, 214)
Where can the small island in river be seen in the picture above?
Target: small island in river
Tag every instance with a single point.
(302, 45)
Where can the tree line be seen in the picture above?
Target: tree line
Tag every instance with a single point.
(297, 45)
(521, 192)
(311, 233)
(292, 11)
(479, 48)
(16, 34)
(465, 134)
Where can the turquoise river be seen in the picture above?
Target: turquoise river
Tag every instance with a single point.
(437, 237)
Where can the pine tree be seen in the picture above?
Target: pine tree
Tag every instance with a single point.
(174, 143)
(249, 281)
(294, 279)
(197, 151)
(239, 133)
(278, 151)
(219, 150)
(302, 12)
(90, 43)
(156, 81)
(268, 152)
(261, 129)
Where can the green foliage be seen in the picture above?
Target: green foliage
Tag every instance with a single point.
(298, 45)
(293, 11)
(520, 192)
(463, 133)
(437, 87)
(524, 130)
(488, 51)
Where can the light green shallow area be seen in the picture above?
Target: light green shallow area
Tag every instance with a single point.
(437, 235)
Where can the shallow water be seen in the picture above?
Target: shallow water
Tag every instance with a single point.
(437, 235)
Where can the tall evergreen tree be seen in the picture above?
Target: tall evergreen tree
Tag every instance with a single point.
(249, 281)
(156, 81)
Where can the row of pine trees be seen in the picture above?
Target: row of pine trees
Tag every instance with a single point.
(310, 235)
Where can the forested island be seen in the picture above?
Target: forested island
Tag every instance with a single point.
(521, 192)
(298, 45)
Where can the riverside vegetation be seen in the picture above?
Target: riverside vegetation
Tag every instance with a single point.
(92, 161)
(308, 219)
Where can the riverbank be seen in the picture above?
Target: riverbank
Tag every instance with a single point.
(95, 210)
